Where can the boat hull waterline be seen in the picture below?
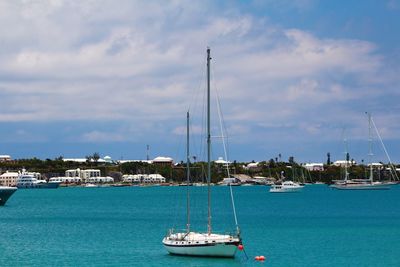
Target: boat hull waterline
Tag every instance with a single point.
(48, 185)
(286, 190)
(225, 247)
(361, 186)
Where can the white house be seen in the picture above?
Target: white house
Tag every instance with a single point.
(221, 160)
(9, 178)
(343, 163)
(101, 180)
(132, 178)
(166, 161)
(314, 166)
(106, 159)
(376, 165)
(252, 166)
(83, 174)
(5, 157)
(143, 178)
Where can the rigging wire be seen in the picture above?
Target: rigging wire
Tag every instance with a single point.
(392, 168)
(224, 143)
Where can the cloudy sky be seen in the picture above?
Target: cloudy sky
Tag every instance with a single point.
(293, 77)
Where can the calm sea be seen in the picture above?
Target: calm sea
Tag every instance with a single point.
(124, 226)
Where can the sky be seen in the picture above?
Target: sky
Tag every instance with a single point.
(293, 78)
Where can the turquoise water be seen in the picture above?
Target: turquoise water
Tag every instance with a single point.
(124, 226)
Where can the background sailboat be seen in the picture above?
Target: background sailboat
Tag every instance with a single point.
(362, 184)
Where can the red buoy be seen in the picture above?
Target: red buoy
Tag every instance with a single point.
(240, 247)
(257, 258)
(261, 258)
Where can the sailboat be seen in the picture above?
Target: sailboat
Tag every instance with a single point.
(207, 243)
(362, 184)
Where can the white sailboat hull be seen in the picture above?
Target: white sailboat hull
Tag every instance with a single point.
(286, 190)
(197, 244)
(373, 186)
(213, 250)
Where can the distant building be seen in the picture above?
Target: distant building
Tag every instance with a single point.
(9, 178)
(143, 178)
(314, 166)
(252, 166)
(85, 175)
(163, 161)
(5, 158)
(376, 165)
(100, 180)
(221, 161)
(106, 159)
(122, 161)
(343, 163)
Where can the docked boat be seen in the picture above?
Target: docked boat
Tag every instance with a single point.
(31, 182)
(5, 193)
(286, 187)
(208, 243)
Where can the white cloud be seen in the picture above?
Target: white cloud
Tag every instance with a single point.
(98, 136)
(139, 62)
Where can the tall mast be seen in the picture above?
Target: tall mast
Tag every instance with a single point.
(346, 172)
(370, 148)
(187, 173)
(208, 142)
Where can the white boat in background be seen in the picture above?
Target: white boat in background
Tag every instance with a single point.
(91, 185)
(366, 184)
(209, 243)
(286, 187)
(31, 182)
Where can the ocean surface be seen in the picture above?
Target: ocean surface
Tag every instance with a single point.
(124, 226)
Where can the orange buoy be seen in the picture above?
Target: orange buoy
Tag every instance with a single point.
(257, 258)
(240, 247)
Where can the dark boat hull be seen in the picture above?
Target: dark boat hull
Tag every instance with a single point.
(5, 194)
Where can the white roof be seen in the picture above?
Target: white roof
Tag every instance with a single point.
(375, 164)
(315, 164)
(134, 160)
(221, 160)
(8, 174)
(252, 164)
(76, 159)
(163, 159)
